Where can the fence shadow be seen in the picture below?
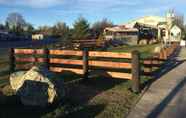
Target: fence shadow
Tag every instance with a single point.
(85, 90)
(160, 107)
(166, 67)
(170, 64)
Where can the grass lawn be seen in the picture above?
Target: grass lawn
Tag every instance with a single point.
(145, 50)
(97, 97)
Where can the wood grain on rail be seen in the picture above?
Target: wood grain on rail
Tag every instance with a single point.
(66, 52)
(24, 51)
(31, 59)
(66, 61)
(110, 54)
(110, 64)
(29, 51)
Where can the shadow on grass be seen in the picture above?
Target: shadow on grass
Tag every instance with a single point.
(11, 107)
(87, 112)
(80, 94)
(74, 105)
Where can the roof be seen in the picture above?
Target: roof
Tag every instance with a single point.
(148, 20)
(121, 29)
(175, 27)
(147, 25)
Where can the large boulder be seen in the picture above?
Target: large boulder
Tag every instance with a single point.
(37, 87)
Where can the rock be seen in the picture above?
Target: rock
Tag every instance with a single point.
(16, 80)
(37, 87)
(8, 91)
(35, 93)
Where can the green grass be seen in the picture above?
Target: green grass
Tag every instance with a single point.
(145, 50)
(99, 97)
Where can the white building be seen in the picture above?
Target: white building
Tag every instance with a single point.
(175, 34)
(37, 37)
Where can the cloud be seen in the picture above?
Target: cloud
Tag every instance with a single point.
(95, 6)
(153, 10)
(107, 3)
(158, 6)
(82, 3)
(32, 3)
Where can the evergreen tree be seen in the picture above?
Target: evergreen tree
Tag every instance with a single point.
(81, 29)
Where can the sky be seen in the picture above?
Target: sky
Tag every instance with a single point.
(49, 12)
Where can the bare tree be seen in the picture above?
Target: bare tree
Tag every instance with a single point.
(99, 26)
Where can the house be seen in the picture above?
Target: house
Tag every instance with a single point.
(148, 28)
(175, 34)
(132, 32)
(123, 33)
(37, 37)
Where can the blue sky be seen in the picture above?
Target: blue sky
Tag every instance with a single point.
(48, 12)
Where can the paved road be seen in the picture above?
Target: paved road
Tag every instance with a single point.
(166, 97)
(25, 43)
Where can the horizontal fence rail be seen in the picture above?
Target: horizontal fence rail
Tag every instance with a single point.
(65, 61)
(157, 60)
(93, 63)
(60, 69)
(66, 52)
(110, 54)
(86, 63)
(110, 64)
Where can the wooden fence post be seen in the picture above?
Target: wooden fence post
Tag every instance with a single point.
(165, 54)
(35, 58)
(12, 60)
(135, 71)
(85, 63)
(46, 60)
(161, 56)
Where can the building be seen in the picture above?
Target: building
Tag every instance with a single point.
(175, 34)
(149, 28)
(128, 35)
(37, 37)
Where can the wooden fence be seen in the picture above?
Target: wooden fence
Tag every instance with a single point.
(156, 61)
(129, 66)
(86, 61)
